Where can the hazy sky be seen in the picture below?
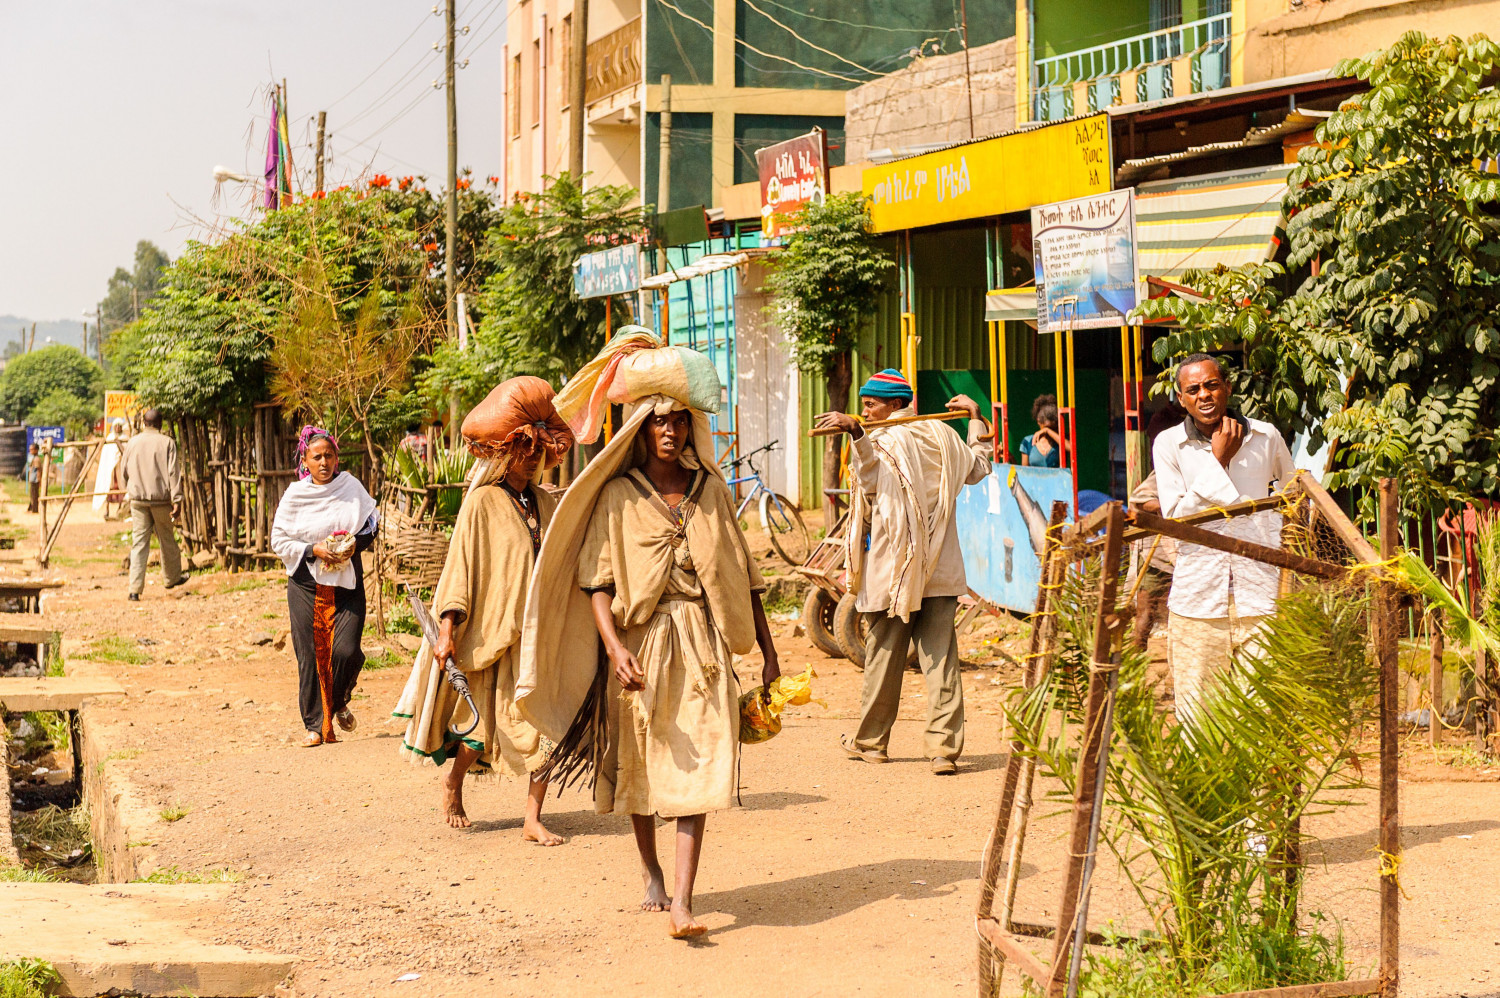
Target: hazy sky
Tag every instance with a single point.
(115, 113)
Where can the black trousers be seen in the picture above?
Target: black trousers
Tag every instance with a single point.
(347, 656)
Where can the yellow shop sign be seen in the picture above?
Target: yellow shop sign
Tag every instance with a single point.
(979, 179)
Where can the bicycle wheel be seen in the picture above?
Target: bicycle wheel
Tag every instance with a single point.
(783, 523)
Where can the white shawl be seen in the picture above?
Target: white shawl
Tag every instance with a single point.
(309, 513)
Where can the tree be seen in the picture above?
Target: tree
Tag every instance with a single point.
(130, 290)
(124, 358)
(1398, 227)
(826, 281)
(533, 323)
(61, 407)
(32, 377)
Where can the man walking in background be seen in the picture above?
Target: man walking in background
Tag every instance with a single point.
(153, 485)
(1216, 457)
(905, 566)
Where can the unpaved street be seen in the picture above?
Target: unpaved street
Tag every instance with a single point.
(835, 878)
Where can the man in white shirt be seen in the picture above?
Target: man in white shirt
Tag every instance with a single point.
(905, 566)
(1215, 458)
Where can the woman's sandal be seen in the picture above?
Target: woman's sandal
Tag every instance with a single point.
(346, 719)
(313, 740)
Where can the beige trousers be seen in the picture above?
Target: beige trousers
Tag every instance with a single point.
(1199, 650)
(145, 519)
(932, 629)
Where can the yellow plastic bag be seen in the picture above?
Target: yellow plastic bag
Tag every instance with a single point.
(760, 714)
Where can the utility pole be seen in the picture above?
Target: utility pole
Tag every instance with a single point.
(577, 88)
(664, 196)
(450, 250)
(963, 13)
(322, 121)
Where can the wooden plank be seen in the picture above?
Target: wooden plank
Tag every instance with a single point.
(1013, 949)
(1234, 545)
(1331, 989)
(1214, 515)
(54, 692)
(1386, 652)
(1337, 520)
(1084, 796)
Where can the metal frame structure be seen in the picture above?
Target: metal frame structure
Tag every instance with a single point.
(1105, 532)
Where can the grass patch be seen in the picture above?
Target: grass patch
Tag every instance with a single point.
(176, 812)
(27, 978)
(117, 648)
(1464, 756)
(61, 830)
(384, 660)
(52, 725)
(785, 601)
(54, 662)
(10, 873)
(125, 753)
(139, 845)
(177, 875)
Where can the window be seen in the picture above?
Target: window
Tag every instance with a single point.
(565, 60)
(515, 95)
(536, 81)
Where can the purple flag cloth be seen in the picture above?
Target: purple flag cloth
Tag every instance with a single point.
(273, 159)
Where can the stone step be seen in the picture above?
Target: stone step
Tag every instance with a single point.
(133, 938)
(54, 692)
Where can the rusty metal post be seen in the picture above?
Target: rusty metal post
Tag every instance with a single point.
(1435, 682)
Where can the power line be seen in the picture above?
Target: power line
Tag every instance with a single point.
(392, 92)
(396, 51)
(812, 45)
(769, 55)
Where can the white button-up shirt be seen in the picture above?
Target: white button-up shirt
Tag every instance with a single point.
(1191, 480)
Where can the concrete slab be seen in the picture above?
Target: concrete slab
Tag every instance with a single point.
(30, 628)
(132, 937)
(54, 692)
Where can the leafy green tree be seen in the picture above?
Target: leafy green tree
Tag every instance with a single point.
(32, 377)
(123, 357)
(61, 407)
(826, 282)
(1400, 229)
(532, 323)
(129, 291)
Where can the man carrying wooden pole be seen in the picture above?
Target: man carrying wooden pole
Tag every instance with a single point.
(904, 562)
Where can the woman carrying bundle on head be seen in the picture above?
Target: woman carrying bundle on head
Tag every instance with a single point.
(516, 434)
(645, 592)
(324, 520)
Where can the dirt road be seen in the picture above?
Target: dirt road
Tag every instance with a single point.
(835, 878)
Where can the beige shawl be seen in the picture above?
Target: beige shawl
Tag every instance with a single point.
(908, 456)
(559, 640)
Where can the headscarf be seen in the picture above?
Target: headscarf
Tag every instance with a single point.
(887, 384)
(305, 439)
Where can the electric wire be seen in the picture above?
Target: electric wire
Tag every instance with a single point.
(383, 63)
(769, 55)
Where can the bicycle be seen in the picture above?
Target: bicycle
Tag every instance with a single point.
(780, 517)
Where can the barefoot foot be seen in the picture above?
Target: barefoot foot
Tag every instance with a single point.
(682, 925)
(535, 831)
(453, 805)
(656, 893)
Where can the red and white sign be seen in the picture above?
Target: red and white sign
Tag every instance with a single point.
(792, 173)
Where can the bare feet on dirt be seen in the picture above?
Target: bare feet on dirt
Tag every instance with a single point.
(656, 892)
(681, 923)
(535, 831)
(453, 804)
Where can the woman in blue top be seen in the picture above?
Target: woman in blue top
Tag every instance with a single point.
(1042, 448)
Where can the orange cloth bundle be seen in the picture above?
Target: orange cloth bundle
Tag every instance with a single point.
(518, 414)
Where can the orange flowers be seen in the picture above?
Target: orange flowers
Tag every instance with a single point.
(380, 180)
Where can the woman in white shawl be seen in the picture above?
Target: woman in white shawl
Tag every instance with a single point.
(323, 521)
(644, 592)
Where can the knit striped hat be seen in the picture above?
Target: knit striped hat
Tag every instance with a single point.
(887, 384)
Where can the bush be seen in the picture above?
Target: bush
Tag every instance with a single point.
(60, 407)
(30, 378)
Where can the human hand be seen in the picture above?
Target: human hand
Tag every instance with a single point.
(1227, 438)
(840, 421)
(770, 671)
(627, 669)
(322, 553)
(962, 403)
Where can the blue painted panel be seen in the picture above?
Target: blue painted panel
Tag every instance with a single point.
(1002, 522)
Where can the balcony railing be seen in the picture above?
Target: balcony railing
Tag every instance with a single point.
(1144, 65)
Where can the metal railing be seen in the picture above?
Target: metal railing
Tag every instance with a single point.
(1203, 44)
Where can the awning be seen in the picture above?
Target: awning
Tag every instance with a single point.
(703, 265)
(1198, 222)
(1010, 304)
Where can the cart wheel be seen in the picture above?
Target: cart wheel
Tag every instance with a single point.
(782, 521)
(817, 621)
(849, 627)
(849, 630)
